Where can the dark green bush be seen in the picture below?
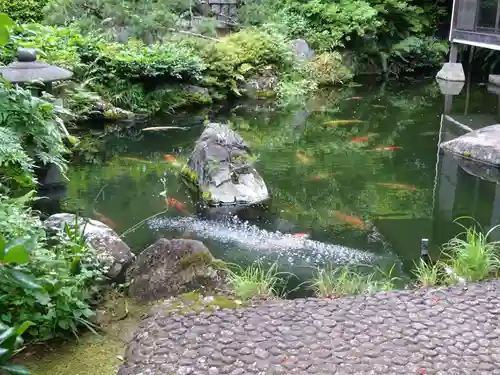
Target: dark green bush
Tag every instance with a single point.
(23, 11)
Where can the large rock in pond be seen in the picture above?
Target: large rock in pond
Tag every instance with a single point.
(171, 267)
(220, 168)
(115, 253)
(481, 145)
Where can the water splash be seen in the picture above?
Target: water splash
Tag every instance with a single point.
(246, 235)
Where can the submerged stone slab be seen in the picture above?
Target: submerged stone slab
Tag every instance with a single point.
(453, 330)
(481, 145)
(451, 72)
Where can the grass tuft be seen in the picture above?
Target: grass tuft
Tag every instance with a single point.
(427, 274)
(346, 280)
(471, 255)
(255, 281)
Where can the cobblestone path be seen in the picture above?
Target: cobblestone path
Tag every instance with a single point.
(436, 331)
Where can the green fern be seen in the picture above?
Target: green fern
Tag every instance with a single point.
(31, 132)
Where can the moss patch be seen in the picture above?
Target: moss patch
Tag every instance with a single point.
(193, 301)
(198, 259)
(91, 354)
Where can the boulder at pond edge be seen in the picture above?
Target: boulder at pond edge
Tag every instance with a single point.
(171, 267)
(115, 253)
(481, 145)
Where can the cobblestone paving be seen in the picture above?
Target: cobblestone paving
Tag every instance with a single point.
(436, 331)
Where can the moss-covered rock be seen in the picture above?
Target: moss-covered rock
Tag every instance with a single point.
(171, 267)
(261, 85)
(182, 96)
(328, 69)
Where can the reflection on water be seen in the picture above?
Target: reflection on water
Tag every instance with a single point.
(357, 170)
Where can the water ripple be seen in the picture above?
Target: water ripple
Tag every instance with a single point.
(249, 236)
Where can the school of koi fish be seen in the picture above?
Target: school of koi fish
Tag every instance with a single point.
(235, 231)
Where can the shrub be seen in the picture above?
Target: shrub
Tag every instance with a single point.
(413, 54)
(23, 11)
(328, 69)
(241, 55)
(379, 31)
(125, 74)
(67, 275)
(117, 19)
(136, 61)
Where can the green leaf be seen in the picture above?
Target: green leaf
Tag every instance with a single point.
(16, 253)
(4, 35)
(6, 21)
(42, 298)
(63, 324)
(23, 327)
(25, 280)
(15, 369)
(2, 245)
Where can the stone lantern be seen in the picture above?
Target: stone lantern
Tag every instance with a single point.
(28, 69)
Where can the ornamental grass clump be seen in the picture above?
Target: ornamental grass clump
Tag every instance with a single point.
(333, 282)
(255, 281)
(427, 274)
(471, 255)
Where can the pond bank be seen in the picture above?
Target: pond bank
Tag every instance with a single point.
(425, 331)
(104, 352)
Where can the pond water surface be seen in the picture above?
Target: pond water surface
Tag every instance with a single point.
(373, 186)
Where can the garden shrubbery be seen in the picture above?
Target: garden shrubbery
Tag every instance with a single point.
(23, 11)
(51, 286)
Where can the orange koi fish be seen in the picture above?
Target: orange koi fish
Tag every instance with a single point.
(303, 158)
(179, 206)
(355, 98)
(301, 235)
(137, 160)
(342, 122)
(172, 160)
(104, 219)
(360, 139)
(322, 176)
(391, 185)
(387, 148)
(350, 220)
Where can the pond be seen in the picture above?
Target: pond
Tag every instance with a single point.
(357, 169)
